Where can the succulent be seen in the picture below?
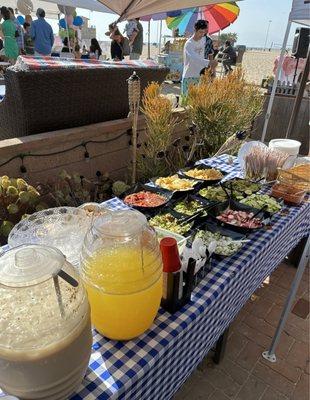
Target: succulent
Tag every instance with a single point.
(24, 197)
(12, 208)
(5, 183)
(6, 227)
(21, 184)
(17, 199)
(119, 187)
(12, 191)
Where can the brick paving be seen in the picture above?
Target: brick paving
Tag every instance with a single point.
(244, 374)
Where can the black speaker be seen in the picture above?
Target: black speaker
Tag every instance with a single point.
(301, 42)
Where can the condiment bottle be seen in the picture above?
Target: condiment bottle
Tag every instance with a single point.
(122, 272)
(45, 330)
(172, 275)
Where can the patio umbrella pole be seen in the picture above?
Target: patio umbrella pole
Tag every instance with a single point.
(134, 103)
(270, 354)
(160, 35)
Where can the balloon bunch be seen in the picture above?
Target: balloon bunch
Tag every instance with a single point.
(71, 21)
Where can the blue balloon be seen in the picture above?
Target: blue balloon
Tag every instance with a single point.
(21, 19)
(63, 23)
(78, 21)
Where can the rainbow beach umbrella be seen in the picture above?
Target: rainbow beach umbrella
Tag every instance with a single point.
(219, 16)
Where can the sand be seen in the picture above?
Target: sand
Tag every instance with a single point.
(256, 63)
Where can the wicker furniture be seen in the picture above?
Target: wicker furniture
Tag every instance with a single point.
(44, 100)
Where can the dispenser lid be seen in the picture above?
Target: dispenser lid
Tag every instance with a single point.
(127, 223)
(29, 265)
(289, 146)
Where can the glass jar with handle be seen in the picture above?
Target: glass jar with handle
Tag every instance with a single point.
(122, 272)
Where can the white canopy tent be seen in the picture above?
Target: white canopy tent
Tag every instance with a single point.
(92, 5)
(300, 13)
(128, 9)
(52, 11)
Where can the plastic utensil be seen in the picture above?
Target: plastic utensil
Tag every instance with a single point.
(245, 149)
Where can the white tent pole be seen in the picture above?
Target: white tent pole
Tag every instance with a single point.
(274, 87)
(160, 36)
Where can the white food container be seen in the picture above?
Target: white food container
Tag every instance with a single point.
(288, 146)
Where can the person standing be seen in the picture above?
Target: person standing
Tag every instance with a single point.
(230, 57)
(117, 50)
(42, 35)
(11, 50)
(209, 49)
(137, 41)
(19, 35)
(65, 48)
(29, 48)
(194, 56)
(95, 48)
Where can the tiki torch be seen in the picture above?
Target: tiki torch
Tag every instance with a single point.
(134, 103)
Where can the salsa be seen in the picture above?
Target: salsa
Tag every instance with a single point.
(145, 199)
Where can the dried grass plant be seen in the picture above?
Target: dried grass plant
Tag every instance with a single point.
(220, 107)
(155, 154)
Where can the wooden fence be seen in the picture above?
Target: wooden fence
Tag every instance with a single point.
(279, 120)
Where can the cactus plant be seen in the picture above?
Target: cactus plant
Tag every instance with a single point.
(17, 198)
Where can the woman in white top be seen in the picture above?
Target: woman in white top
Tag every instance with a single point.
(194, 56)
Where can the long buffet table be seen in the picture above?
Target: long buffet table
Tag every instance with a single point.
(155, 365)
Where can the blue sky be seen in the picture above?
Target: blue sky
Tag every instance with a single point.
(251, 25)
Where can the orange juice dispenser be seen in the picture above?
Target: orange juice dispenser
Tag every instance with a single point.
(122, 272)
(45, 330)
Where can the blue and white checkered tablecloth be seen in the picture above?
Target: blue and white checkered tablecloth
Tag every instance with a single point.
(154, 366)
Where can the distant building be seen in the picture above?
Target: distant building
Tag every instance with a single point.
(88, 31)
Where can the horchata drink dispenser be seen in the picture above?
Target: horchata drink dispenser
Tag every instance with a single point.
(122, 272)
(45, 329)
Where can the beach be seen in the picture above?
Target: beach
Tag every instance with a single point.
(256, 63)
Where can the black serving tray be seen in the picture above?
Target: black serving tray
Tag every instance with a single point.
(202, 182)
(214, 227)
(218, 209)
(227, 185)
(178, 216)
(188, 198)
(140, 187)
(176, 193)
(211, 202)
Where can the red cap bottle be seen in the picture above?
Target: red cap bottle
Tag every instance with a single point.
(170, 255)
